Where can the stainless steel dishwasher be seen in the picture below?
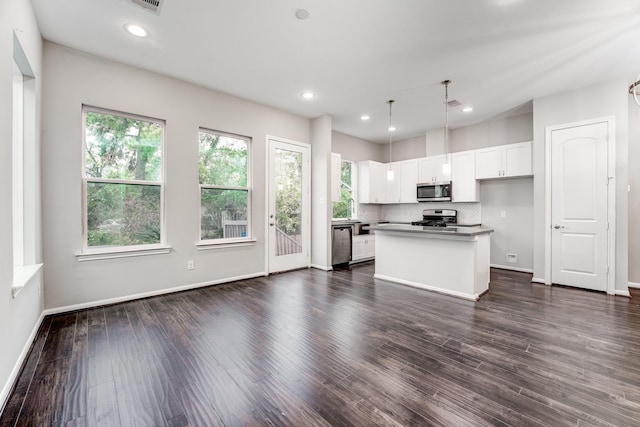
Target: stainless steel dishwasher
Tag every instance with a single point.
(341, 236)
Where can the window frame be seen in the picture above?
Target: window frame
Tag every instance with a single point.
(18, 169)
(24, 172)
(91, 253)
(233, 241)
(354, 188)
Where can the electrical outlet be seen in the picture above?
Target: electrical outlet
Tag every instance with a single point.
(503, 214)
(512, 258)
(190, 265)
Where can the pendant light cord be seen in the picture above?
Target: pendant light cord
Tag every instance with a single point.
(390, 102)
(446, 116)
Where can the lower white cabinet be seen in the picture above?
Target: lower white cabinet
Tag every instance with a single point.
(363, 247)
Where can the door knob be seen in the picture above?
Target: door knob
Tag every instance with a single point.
(558, 226)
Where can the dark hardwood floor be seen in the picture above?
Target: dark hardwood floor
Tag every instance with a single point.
(309, 348)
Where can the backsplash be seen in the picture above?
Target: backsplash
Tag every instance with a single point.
(367, 212)
(468, 213)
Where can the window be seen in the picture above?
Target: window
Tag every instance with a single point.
(24, 170)
(123, 180)
(346, 207)
(224, 186)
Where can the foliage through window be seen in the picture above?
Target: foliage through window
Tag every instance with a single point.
(346, 207)
(224, 186)
(123, 179)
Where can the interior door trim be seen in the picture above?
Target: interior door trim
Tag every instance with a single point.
(611, 198)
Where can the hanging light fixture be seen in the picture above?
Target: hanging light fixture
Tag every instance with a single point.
(390, 174)
(446, 166)
(633, 90)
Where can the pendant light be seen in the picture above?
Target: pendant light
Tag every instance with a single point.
(633, 90)
(390, 173)
(446, 166)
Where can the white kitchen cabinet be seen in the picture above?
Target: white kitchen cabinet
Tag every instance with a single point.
(430, 169)
(504, 161)
(393, 187)
(363, 247)
(372, 186)
(408, 181)
(336, 178)
(463, 177)
(402, 189)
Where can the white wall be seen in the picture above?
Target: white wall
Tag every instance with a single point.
(74, 78)
(634, 195)
(593, 102)
(321, 208)
(19, 317)
(493, 132)
(513, 233)
(412, 148)
(356, 149)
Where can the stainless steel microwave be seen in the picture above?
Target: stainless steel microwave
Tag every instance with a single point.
(434, 192)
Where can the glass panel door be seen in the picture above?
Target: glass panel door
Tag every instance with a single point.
(288, 206)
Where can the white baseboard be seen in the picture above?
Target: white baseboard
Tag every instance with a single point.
(472, 297)
(116, 300)
(4, 396)
(634, 285)
(508, 267)
(322, 267)
(622, 293)
(537, 280)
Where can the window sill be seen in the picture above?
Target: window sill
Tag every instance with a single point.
(122, 253)
(230, 243)
(22, 277)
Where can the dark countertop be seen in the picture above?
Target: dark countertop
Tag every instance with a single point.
(441, 231)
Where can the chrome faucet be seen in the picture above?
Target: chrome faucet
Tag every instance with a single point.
(350, 203)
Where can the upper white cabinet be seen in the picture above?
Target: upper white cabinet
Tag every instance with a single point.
(409, 180)
(430, 169)
(374, 187)
(372, 182)
(463, 177)
(402, 189)
(336, 178)
(504, 161)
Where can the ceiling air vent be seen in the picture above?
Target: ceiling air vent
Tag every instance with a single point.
(454, 103)
(150, 5)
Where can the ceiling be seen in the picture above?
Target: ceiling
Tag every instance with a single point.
(357, 54)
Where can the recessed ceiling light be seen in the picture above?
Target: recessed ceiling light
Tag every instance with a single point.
(308, 95)
(302, 14)
(467, 109)
(364, 117)
(135, 30)
(392, 128)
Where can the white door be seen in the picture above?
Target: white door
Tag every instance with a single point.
(289, 205)
(579, 184)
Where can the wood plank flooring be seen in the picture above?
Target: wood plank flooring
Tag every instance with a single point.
(310, 348)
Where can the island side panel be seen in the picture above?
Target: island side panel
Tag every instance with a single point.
(447, 265)
(483, 261)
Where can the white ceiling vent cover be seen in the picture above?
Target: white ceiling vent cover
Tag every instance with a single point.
(150, 5)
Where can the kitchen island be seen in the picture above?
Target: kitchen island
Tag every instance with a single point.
(450, 260)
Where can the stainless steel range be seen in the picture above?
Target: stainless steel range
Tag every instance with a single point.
(438, 218)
